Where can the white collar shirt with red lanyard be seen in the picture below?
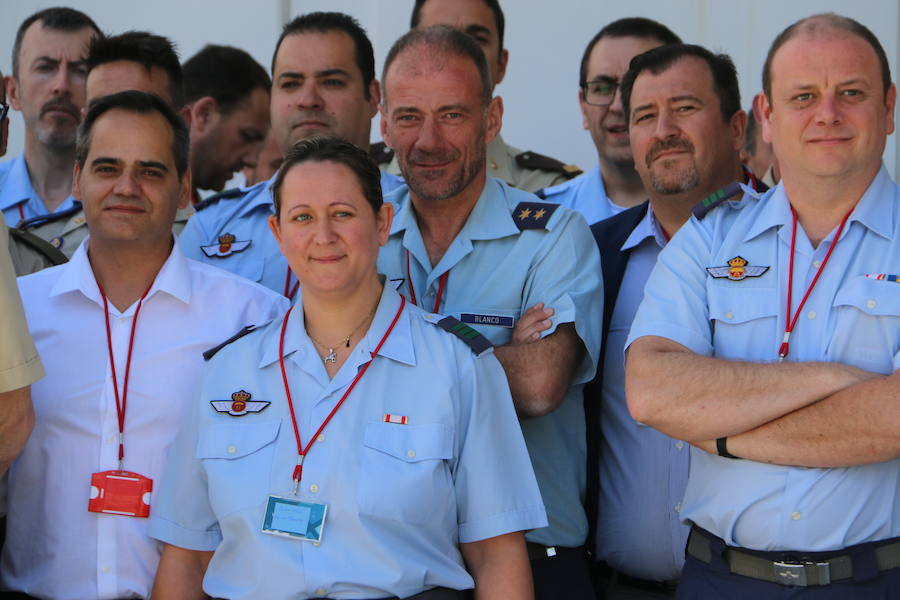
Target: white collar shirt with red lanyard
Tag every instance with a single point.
(424, 453)
(852, 317)
(18, 200)
(495, 271)
(54, 546)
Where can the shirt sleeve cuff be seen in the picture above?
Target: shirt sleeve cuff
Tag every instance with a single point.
(176, 535)
(21, 375)
(523, 519)
(691, 340)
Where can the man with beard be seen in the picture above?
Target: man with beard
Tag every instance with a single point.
(227, 93)
(47, 87)
(323, 74)
(686, 129)
(484, 21)
(769, 338)
(471, 247)
(613, 185)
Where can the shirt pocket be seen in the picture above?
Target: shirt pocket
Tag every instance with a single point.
(866, 324)
(237, 458)
(405, 473)
(744, 322)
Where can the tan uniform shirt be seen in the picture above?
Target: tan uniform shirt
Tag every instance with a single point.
(19, 361)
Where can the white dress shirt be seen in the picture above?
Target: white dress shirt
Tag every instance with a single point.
(55, 548)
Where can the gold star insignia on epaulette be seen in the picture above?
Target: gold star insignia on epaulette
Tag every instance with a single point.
(524, 214)
(540, 213)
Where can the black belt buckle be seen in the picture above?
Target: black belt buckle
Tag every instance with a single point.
(798, 573)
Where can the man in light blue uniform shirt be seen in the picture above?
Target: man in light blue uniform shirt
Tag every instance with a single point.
(783, 379)
(323, 83)
(47, 87)
(613, 185)
(685, 98)
(405, 481)
(470, 246)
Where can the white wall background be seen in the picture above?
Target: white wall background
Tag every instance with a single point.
(545, 38)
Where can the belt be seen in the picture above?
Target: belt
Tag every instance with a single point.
(789, 570)
(539, 551)
(613, 576)
(438, 593)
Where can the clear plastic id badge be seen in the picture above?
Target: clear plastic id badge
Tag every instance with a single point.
(293, 518)
(120, 493)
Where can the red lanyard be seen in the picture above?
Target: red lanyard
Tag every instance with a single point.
(21, 212)
(412, 291)
(301, 450)
(290, 292)
(121, 403)
(791, 322)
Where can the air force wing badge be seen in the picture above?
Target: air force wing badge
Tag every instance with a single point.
(226, 246)
(239, 405)
(737, 269)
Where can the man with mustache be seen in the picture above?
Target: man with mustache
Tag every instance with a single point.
(614, 184)
(769, 338)
(470, 246)
(47, 87)
(686, 129)
(323, 84)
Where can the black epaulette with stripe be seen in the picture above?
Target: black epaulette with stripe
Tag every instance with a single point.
(49, 218)
(380, 153)
(223, 195)
(474, 340)
(703, 208)
(208, 354)
(53, 255)
(533, 160)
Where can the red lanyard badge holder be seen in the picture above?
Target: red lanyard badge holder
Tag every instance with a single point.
(120, 492)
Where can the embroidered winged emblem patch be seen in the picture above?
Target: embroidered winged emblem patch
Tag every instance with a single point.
(738, 268)
(239, 405)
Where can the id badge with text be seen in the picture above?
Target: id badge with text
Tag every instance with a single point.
(120, 493)
(293, 518)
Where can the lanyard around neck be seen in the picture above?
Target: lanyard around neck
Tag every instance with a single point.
(412, 290)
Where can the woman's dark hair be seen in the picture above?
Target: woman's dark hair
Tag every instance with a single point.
(333, 150)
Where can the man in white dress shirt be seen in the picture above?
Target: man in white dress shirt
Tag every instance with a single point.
(121, 330)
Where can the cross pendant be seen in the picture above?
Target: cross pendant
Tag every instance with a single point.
(330, 357)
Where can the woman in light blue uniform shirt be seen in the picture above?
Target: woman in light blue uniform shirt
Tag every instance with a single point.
(358, 447)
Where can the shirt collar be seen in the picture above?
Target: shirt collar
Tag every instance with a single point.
(647, 227)
(174, 278)
(299, 347)
(874, 210)
(17, 187)
(491, 217)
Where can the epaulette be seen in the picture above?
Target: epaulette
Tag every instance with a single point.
(208, 354)
(533, 160)
(533, 215)
(49, 218)
(703, 208)
(223, 195)
(474, 340)
(39, 245)
(380, 153)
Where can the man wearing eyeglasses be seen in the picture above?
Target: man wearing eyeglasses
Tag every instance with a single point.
(613, 185)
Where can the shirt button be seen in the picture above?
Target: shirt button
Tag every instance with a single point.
(817, 263)
(106, 570)
(678, 507)
(321, 438)
(231, 449)
(321, 592)
(679, 444)
(411, 453)
(110, 439)
(317, 544)
(729, 315)
(795, 516)
(811, 314)
(871, 303)
(314, 488)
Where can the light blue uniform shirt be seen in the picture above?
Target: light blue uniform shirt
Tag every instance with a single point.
(585, 194)
(246, 218)
(18, 200)
(643, 473)
(497, 272)
(400, 497)
(849, 318)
